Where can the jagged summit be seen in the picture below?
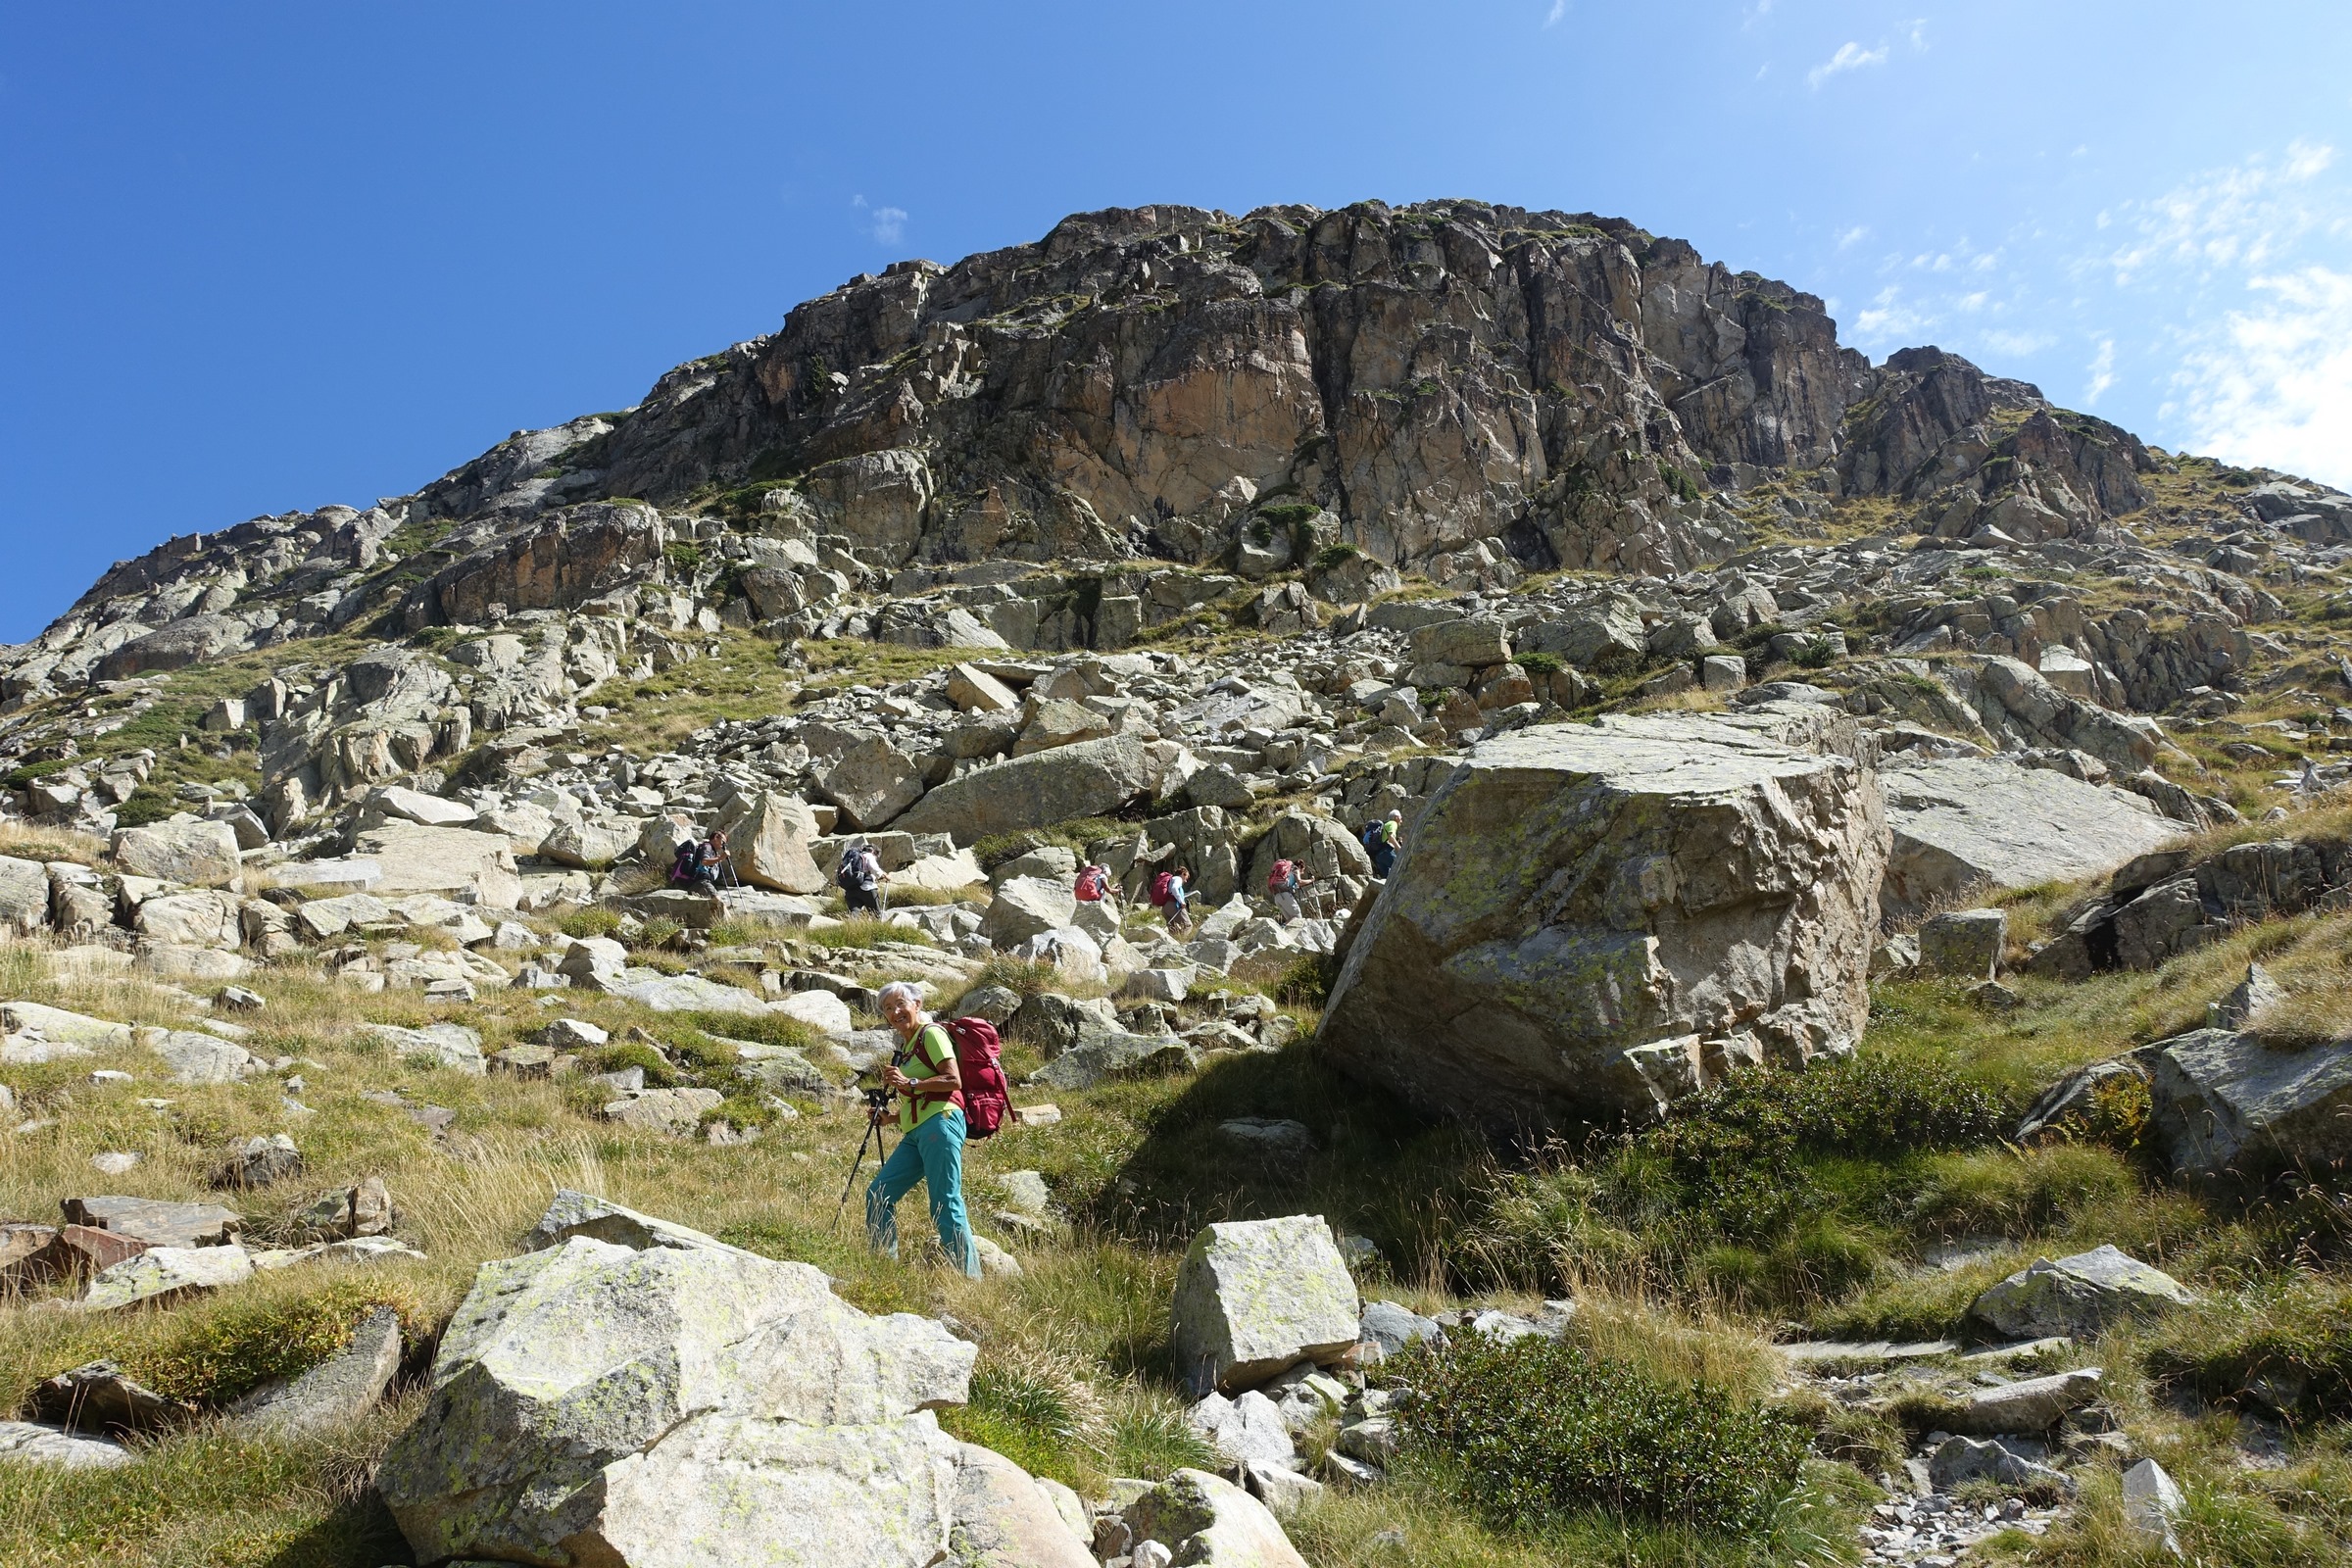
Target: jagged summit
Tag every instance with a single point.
(1447, 379)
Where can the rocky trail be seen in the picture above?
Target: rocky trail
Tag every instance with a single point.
(1846, 1058)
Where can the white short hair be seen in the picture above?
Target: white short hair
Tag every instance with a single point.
(898, 988)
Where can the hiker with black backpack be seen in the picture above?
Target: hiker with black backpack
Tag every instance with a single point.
(860, 876)
(961, 1093)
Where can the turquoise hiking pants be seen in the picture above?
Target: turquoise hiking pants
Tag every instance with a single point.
(932, 1154)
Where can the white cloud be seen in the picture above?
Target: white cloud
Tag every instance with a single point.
(1850, 57)
(2245, 216)
(1919, 34)
(2018, 345)
(2102, 373)
(1559, 9)
(1850, 237)
(1887, 316)
(886, 225)
(2272, 385)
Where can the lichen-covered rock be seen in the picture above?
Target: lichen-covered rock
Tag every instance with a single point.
(678, 1406)
(2078, 1295)
(1595, 918)
(1255, 1297)
(1209, 1522)
(2224, 1100)
(178, 851)
(1005, 1518)
(164, 1274)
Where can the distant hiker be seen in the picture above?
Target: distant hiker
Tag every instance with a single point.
(692, 869)
(1383, 839)
(1170, 892)
(931, 1127)
(1283, 883)
(859, 875)
(1093, 883)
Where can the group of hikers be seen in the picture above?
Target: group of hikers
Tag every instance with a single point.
(945, 1077)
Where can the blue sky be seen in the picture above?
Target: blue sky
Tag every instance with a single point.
(262, 257)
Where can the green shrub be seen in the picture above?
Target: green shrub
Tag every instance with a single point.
(1540, 1430)
(1306, 983)
(1332, 556)
(1540, 664)
(594, 922)
(146, 805)
(218, 1356)
(1289, 513)
(1817, 653)
(622, 1054)
(658, 931)
(740, 1111)
(1738, 1152)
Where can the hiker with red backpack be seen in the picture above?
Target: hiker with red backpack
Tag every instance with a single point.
(1093, 885)
(1169, 892)
(1283, 883)
(962, 1094)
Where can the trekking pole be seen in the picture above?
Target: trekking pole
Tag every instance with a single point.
(875, 1100)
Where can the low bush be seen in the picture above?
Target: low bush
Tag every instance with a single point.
(622, 1054)
(218, 1355)
(593, 921)
(1538, 1430)
(864, 931)
(740, 1111)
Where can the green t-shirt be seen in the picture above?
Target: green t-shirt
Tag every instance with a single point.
(927, 1056)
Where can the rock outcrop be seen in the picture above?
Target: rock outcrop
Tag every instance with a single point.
(1594, 920)
(1963, 826)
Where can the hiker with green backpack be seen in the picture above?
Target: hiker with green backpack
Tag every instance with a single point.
(961, 1093)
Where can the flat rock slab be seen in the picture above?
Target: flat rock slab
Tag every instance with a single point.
(1967, 823)
(449, 1045)
(2033, 1405)
(690, 993)
(456, 861)
(24, 1443)
(155, 1222)
(166, 1274)
(1091, 778)
(1867, 1352)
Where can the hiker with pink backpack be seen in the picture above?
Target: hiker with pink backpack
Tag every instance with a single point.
(1171, 892)
(962, 1094)
(1283, 883)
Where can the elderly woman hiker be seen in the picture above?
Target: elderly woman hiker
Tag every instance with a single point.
(931, 1128)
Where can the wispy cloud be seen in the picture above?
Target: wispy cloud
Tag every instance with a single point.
(1848, 238)
(1559, 9)
(2244, 216)
(884, 225)
(2102, 373)
(1850, 57)
(2272, 385)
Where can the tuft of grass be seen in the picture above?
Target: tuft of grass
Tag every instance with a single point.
(593, 921)
(864, 931)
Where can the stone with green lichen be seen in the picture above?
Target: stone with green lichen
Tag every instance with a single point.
(1598, 919)
(1210, 1523)
(563, 1367)
(1255, 1297)
(2079, 1295)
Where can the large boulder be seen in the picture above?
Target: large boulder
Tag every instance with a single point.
(1964, 825)
(1025, 907)
(1255, 1297)
(178, 851)
(768, 835)
(674, 1406)
(2229, 1101)
(872, 782)
(1092, 778)
(1595, 918)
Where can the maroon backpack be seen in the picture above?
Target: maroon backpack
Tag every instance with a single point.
(986, 1096)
